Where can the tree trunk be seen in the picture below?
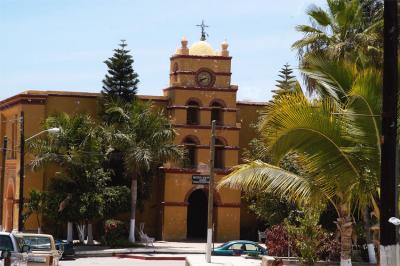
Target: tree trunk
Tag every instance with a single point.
(81, 232)
(70, 237)
(133, 208)
(39, 230)
(390, 255)
(90, 234)
(370, 244)
(345, 226)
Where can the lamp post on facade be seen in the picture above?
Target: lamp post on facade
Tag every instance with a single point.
(22, 167)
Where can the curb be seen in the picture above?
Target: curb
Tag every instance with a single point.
(139, 257)
(131, 253)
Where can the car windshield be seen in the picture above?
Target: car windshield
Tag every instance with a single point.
(38, 242)
(5, 243)
(224, 244)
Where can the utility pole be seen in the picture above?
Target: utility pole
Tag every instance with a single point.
(3, 174)
(211, 194)
(21, 173)
(388, 204)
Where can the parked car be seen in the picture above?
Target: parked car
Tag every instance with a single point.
(239, 247)
(13, 250)
(67, 248)
(43, 249)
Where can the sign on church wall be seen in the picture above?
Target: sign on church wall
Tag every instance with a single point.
(200, 179)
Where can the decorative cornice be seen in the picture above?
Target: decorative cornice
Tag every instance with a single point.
(37, 100)
(230, 205)
(185, 204)
(206, 147)
(94, 96)
(175, 170)
(201, 108)
(215, 57)
(193, 88)
(206, 127)
(235, 148)
(252, 103)
(190, 72)
(175, 204)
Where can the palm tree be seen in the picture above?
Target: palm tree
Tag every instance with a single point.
(81, 179)
(337, 138)
(349, 29)
(145, 137)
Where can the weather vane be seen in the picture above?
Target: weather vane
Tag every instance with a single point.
(204, 34)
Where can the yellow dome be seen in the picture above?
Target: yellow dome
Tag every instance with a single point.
(201, 48)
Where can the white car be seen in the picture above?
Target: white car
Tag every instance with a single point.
(13, 250)
(43, 250)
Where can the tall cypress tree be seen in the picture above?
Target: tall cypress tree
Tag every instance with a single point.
(287, 82)
(121, 81)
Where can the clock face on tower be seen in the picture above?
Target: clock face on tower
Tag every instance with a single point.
(205, 78)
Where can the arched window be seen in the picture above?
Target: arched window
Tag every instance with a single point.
(191, 156)
(216, 113)
(192, 116)
(219, 154)
(175, 75)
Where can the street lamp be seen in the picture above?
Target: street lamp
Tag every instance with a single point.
(53, 130)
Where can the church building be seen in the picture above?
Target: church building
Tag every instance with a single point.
(199, 91)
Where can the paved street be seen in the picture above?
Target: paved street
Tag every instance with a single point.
(114, 261)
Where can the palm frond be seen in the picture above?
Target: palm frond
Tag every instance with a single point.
(258, 176)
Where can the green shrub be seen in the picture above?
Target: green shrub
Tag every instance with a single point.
(114, 232)
(308, 236)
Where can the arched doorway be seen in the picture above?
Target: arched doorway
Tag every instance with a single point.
(197, 215)
(9, 204)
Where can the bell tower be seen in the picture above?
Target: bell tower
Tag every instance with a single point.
(200, 91)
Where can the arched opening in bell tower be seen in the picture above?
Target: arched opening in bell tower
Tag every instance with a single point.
(193, 116)
(217, 112)
(197, 215)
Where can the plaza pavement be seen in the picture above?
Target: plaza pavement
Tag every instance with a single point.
(160, 247)
(188, 253)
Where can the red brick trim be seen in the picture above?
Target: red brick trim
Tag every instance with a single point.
(252, 103)
(215, 57)
(172, 203)
(73, 96)
(199, 89)
(147, 257)
(217, 196)
(30, 100)
(192, 73)
(176, 170)
(205, 127)
(229, 205)
(202, 108)
(22, 95)
(225, 147)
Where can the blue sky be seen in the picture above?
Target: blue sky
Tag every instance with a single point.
(62, 44)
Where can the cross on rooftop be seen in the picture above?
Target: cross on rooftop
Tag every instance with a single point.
(203, 32)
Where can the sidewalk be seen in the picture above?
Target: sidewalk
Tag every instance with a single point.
(160, 247)
(199, 260)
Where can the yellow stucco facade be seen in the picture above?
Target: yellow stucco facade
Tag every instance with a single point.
(199, 91)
